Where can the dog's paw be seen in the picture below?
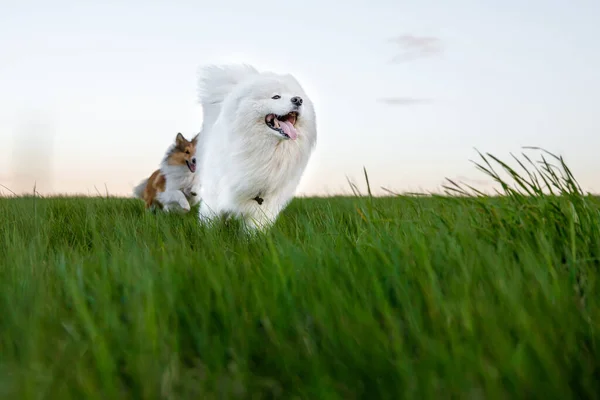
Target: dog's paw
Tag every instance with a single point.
(185, 206)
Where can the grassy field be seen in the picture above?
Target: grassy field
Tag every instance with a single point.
(356, 297)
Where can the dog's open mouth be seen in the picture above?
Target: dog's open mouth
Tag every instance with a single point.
(191, 166)
(284, 124)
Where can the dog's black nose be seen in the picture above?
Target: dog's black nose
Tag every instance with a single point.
(297, 101)
(194, 160)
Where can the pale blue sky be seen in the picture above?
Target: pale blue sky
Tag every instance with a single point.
(93, 93)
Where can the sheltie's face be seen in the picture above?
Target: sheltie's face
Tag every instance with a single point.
(183, 152)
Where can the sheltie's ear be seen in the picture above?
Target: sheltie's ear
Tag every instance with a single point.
(180, 140)
(195, 139)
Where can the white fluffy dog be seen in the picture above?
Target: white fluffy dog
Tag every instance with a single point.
(258, 134)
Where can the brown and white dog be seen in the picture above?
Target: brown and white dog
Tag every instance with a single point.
(171, 187)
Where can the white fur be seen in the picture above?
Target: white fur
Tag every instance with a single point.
(240, 156)
(138, 191)
(180, 182)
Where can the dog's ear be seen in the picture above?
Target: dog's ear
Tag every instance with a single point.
(179, 140)
(195, 139)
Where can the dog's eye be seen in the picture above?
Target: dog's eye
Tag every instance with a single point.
(276, 97)
(187, 152)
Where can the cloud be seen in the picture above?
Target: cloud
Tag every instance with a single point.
(414, 47)
(403, 101)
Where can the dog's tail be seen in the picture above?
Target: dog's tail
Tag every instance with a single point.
(214, 83)
(138, 191)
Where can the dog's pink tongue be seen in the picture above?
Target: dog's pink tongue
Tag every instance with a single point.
(289, 129)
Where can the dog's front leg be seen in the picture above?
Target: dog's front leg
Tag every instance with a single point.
(174, 199)
(191, 195)
(261, 219)
(206, 214)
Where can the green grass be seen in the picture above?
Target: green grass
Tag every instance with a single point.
(358, 297)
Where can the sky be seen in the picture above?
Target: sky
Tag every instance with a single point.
(93, 93)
